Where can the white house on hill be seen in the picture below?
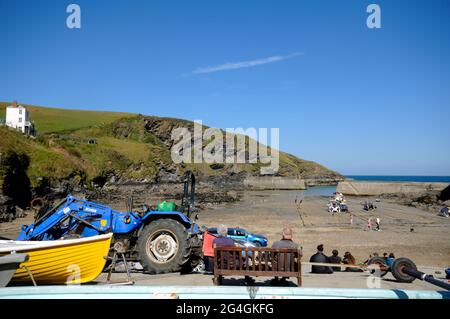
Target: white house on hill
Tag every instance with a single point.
(17, 118)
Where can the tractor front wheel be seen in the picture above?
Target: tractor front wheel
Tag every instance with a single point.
(163, 246)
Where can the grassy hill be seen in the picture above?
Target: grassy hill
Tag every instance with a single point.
(91, 144)
(49, 120)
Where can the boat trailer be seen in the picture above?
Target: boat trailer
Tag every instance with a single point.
(403, 269)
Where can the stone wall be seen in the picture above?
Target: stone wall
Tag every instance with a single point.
(359, 188)
(274, 182)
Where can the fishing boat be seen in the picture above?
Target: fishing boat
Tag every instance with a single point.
(69, 261)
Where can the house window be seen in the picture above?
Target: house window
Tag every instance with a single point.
(20, 120)
(20, 112)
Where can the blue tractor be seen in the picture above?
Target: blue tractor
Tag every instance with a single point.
(162, 240)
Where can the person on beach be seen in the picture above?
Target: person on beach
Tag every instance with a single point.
(350, 260)
(377, 224)
(369, 223)
(390, 259)
(335, 259)
(285, 242)
(319, 257)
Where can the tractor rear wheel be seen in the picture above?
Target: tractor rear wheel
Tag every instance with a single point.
(397, 270)
(163, 246)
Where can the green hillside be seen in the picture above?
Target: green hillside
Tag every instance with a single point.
(91, 144)
(54, 120)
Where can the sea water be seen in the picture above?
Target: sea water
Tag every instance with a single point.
(320, 191)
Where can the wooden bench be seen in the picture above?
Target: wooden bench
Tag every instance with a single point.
(257, 262)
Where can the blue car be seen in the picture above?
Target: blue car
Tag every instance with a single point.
(242, 234)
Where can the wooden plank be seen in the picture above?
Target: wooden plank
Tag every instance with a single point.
(293, 257)
(299, 263)
(238, 261)
(253, 260)
(286, 266)
(247, 260)
(273, 262)
(259, 261)
(256, 273)
(216, 259)
(241, 261)
(278, 262)
(266, 262)
(216, 266)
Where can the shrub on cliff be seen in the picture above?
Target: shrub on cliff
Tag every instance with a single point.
(16, 184)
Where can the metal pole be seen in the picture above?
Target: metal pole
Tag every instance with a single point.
(428, 278)
(126, 268)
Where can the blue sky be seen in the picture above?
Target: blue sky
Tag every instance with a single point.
(358, 100)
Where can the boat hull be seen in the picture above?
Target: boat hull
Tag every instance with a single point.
(64, 262)
(9, 265)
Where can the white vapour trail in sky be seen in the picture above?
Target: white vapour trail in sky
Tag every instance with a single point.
(244, 64)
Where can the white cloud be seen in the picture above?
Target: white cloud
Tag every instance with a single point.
(244, 64)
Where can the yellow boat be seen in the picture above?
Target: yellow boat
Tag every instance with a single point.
(70, 261)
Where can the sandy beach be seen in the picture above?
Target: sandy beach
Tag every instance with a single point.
(267, 212)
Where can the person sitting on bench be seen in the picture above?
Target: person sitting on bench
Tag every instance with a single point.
(285, 242)
(224, 241)
(350, 260)
(320, 257)
(335, 259)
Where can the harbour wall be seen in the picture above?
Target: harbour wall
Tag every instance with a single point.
(361, 188)
(274, 182)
